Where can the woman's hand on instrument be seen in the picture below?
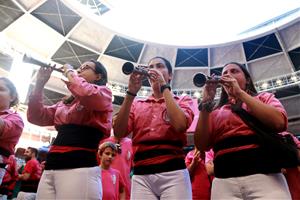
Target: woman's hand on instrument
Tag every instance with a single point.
(135, 82)
(66, 68)
(232, 88)
(156, 76)
(43, 75)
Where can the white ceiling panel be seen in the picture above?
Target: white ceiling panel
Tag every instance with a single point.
(222, 55)
(27, 5)
(151, 51)
(33, 35)
(183, 79)
(114, 69)
(92, 35)
(269, 67)
(291, 36)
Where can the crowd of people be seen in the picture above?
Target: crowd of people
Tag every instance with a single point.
(139, 152)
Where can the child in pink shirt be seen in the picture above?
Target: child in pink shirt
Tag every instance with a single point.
(11, 123)
(113, 185)
(123, 160)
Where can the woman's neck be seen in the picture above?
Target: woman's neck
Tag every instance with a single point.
(104, 167)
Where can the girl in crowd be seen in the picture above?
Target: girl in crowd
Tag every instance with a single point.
(71, 170)
(11, 123)
(241, 171)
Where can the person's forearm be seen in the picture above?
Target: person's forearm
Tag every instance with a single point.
(123, 195)
(1, 126)
(267, 114)
(121, 121)
(191, 168)
(38, 88)
(201, 135)
(24, 177)
(176, 115)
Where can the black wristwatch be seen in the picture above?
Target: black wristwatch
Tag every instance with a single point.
(207, 106)
(165, 86)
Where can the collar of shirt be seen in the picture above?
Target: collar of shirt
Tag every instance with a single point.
(153, 99)
(7, 112)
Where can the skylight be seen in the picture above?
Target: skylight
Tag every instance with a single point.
(194, 22)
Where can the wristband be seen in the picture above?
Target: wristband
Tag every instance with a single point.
(165, 86)
(69, 70)
(130, 93)
(206, 106)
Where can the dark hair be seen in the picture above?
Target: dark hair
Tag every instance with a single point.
(167, 63)
(250, 89)
(105, 145)
(100, 69)
(12, 91)
(33, 150)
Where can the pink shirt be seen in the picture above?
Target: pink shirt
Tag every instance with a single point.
(148, 122)
(224, 123)
(123, 161)
(92, 106)
(33, 168)
(200, 181)
(111, 184)
(13, 127)
(293, 174)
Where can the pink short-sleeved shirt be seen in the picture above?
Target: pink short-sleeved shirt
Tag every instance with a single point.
(111, 184)
(224, 123)
(123, 161)
(149, 123)
(293, 174)
(13, 127)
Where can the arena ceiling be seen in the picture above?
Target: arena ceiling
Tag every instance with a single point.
(60, 32)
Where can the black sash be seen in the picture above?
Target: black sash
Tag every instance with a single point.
(5, 152)
(243, 162)
(75, 136)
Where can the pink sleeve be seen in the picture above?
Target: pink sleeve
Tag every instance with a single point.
(209, 156)
(131, 118)
(39, 114)
(90, 95)
(186, 105)
(13, 126)
(270, 99)
(189, 158)
(297, 142)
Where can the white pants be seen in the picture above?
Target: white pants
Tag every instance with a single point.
(80, 183)
(257, 186)
(166, 185)
(26, 196)
(2, 170)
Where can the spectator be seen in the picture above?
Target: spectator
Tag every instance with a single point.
(123, 159)
(10, 178)
(32, 172)
(112, 182)
(197, 163)
(11, 123)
